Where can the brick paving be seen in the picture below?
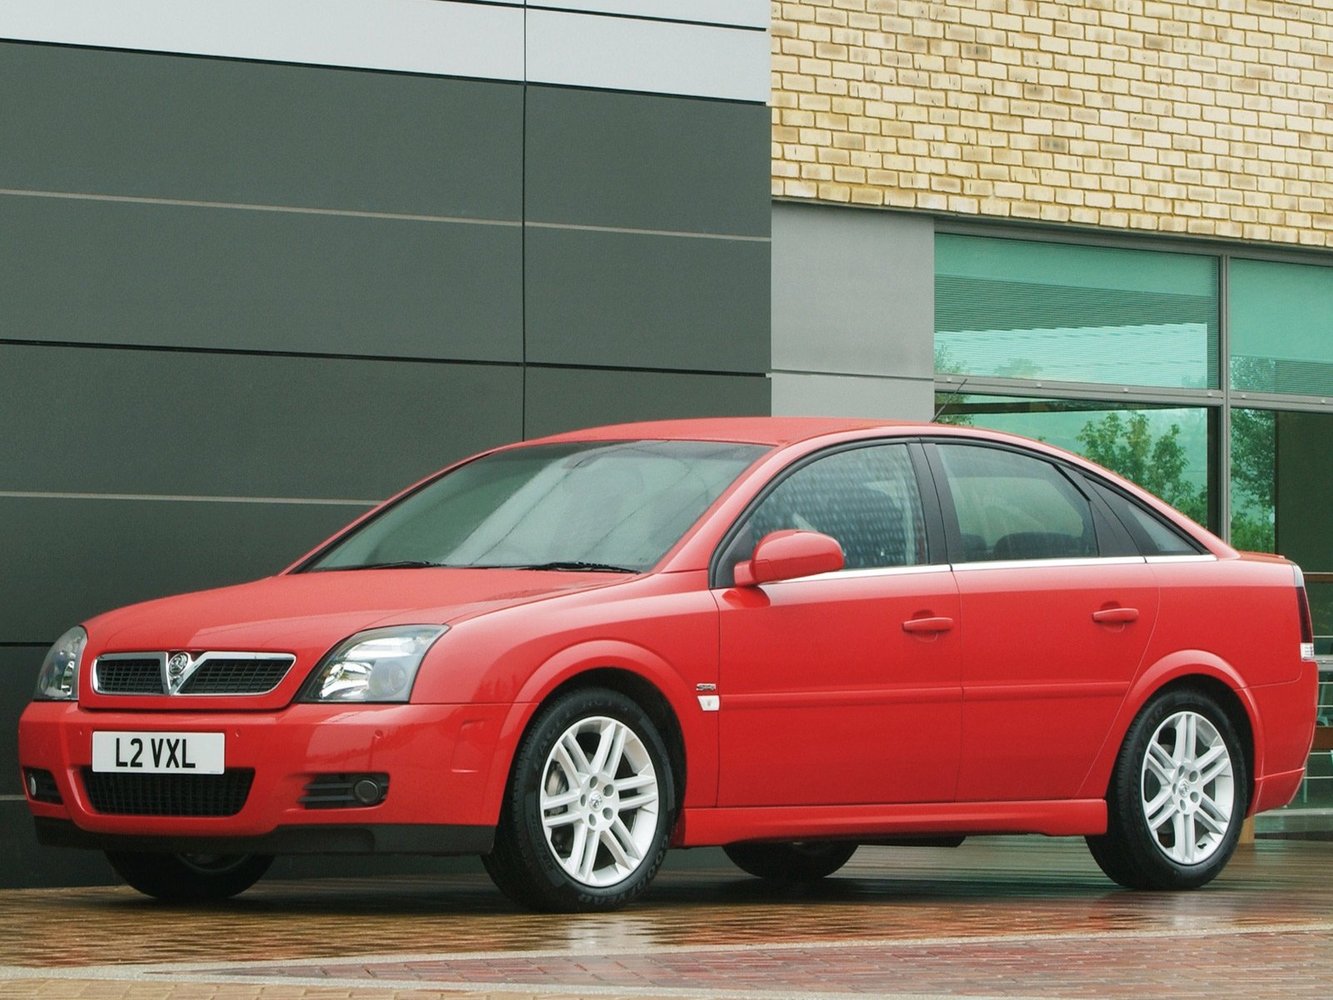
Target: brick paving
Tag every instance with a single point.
(997, 918)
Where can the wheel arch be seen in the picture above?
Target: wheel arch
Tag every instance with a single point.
(643, 693)
(641, 676)
(1193, 670)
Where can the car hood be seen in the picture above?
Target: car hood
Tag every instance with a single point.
(296, 611)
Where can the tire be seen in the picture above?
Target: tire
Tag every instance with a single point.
(189, 878)
(1178, 796)
(589, 807)
(798, 861)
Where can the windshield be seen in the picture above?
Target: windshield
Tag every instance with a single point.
(596, 505)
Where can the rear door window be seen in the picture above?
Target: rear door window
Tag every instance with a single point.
(1012, 506)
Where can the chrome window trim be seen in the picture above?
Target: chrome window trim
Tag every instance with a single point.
(865, 572)
(169, 690)
(1199, 557)
(1052, 563)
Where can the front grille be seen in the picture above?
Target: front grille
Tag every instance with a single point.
(128, 675)
(120, 794)
(233, 675)
(205, 674)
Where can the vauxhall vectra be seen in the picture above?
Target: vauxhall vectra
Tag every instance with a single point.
(787, 637)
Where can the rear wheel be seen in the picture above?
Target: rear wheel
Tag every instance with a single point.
(798, 861)
(1178, 796)
(189, 878)
(589, 806)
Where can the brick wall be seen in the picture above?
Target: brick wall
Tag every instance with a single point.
(1208, 117)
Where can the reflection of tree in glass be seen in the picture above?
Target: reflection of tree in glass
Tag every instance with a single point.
(946, 364)
(1157, 464)
(1253, 496)
(1253, 473)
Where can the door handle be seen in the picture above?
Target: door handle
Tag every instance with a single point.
(927, 625)
(1116, 616)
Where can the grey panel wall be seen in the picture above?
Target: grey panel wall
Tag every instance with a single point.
(642, 301)
(201, 424)
(241, 300)
(647, 244)
(561, 399)
(164, 200)
(128, 474)
(853, 335)
(648, 163)
(77, 270)
(163, 126)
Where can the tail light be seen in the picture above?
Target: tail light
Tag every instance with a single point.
(1303, 610)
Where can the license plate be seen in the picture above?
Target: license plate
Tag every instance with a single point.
(159, 753)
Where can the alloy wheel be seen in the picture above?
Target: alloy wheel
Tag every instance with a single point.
(1188, 788)
(599, 801)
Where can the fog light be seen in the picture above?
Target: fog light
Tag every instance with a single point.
(367, 791)
(40, 785)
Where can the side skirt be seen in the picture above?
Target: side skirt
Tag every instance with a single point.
(1064, 818)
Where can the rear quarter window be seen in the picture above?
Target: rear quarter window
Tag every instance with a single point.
(1154, 536)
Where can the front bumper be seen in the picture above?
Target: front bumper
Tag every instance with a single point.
(438, 759)
(375, 838)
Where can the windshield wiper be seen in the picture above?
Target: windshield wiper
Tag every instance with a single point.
(576, 565)
(400, 564)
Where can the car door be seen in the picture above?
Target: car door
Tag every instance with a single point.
(1058, 606)
(842, 687)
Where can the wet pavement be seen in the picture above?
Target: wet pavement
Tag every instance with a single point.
(996, 918)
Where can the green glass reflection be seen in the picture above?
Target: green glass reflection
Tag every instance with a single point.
(1072, 313)
(1281, 479)
(1163, 449)
(1253, 480)
(1281, 327)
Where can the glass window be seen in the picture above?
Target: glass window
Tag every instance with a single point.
(1165, 449)
(864, 497)
(621, 504)
(1012, 506)
(1152, 535)
(1281, 481)
(1070, 313)
(1254, 480)
(1281, 327)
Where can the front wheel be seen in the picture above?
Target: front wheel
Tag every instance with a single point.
(1178, 796)
(189, 878)
(798, 861)
(589, 806)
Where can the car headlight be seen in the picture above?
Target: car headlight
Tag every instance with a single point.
(379, 665)
(59, 679)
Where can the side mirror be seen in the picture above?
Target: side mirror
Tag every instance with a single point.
(785, 555)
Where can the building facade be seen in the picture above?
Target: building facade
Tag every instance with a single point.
(260, 267)
(1104, 223)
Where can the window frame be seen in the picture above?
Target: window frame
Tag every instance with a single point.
(1144, 543)
(722, 563)
(1112, 539)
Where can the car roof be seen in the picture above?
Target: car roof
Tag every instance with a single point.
(773, 431)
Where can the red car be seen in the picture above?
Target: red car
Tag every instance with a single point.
(787, 637)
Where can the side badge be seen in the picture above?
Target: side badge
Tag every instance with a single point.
(708, 702)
